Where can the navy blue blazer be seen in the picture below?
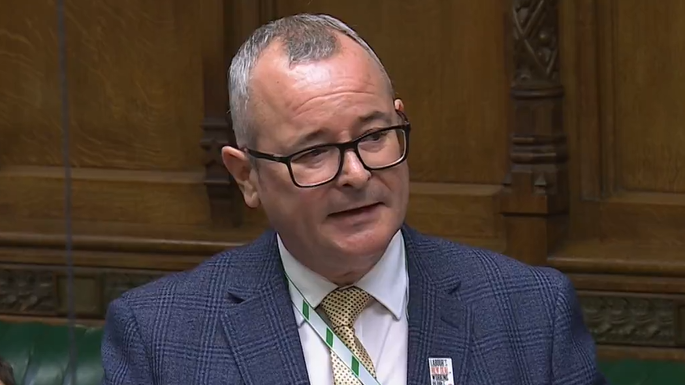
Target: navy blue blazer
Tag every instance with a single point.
(230, 321)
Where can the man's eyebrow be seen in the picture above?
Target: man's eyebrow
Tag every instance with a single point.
(373, 116)
(320, 133)
(310, 137)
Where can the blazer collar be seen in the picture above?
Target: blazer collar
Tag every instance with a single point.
(258, 319)
(439, 321)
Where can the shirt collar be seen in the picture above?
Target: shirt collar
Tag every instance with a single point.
(386, 281)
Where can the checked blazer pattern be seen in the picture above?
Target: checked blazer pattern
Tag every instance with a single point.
(230, 321)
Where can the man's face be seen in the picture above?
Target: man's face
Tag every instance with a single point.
(329, 101)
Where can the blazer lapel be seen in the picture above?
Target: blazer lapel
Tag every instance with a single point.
(260, 324)
(439, 322)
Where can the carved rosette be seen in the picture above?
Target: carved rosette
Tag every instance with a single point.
(631, 320)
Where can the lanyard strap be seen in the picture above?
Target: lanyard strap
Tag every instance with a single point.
(327, 335)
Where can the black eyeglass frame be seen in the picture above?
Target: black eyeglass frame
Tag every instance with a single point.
(343, 148)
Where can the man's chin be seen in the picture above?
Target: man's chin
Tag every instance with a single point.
(365, 243)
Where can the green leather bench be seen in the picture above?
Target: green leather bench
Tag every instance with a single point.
(39, 354)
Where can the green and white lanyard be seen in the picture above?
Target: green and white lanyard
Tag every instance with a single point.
(331, 340)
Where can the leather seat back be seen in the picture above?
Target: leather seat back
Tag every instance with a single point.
(39, 353)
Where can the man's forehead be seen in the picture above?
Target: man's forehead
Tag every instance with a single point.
(279, 83)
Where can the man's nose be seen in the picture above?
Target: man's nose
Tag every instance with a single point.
(353, 172)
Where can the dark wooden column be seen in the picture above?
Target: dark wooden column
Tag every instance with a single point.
(226, 24)
(535, 195)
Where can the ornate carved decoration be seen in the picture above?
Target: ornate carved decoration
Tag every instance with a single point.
(536, 43)
(535, 193)
(632, 320)
(27, 292)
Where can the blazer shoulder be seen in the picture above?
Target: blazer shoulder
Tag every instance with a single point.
(204, 280)
(478, 268)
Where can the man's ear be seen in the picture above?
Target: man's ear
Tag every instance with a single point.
(399, 105)
(238, 164)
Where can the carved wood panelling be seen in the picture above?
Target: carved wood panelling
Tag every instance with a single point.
(137, 178)
(625, 319)
(536, 187)
(536, 53)
(620, 62)
(28, 292)
(42, 291)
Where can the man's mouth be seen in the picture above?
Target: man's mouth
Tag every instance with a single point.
(356, 210)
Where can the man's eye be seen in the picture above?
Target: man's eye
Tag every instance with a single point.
(312, 155)
(376, 136)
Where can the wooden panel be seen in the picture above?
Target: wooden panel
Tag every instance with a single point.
(41, 291)
(137, 72)
(104, 195)
(623, 61)
(657, 218)
(624, 257)
(468, 213)
(29, 96)
(649, 51)
(115, 203)
(624, 245)
(134, 72)
(640, 123)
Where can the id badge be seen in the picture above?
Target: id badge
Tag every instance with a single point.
(441, 371)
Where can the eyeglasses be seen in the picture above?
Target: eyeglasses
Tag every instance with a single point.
(318, 165)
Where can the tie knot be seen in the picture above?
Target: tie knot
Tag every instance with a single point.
(343, 306)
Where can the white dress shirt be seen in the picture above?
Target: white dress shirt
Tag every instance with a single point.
(382, 327)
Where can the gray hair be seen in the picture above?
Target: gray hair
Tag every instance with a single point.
(306, 38)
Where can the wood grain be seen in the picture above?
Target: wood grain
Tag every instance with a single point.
(628, 283)
(135, 84)
(649, 49)
(625, 182)
(455, 211)
(29, 95)
(619, 257)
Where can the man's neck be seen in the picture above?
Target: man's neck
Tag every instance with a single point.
(346, 279)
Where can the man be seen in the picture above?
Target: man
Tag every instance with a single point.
(340, 289)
